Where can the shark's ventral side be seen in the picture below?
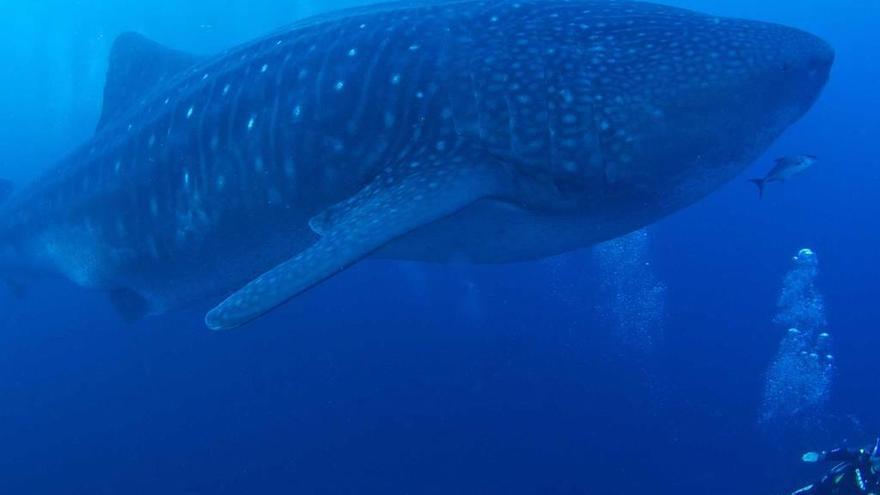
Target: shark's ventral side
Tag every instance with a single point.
(480, 130)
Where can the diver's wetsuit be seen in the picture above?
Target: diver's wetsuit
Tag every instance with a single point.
(855, 475)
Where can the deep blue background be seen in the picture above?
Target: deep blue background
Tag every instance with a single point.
(421, 379)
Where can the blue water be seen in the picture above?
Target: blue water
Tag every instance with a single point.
(420, 379)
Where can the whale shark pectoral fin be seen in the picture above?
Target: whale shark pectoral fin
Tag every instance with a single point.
(395, 203)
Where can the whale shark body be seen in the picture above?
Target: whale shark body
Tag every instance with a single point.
(480, 130)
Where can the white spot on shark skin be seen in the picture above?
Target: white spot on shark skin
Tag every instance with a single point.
(389, 120)
(274, 197)
(297, 112)
(567, 97)
(186, 179)
(152, 248)
(205, 76)
(226, 89)
(251, 122)
(189, 112)
(414, 47)
(289, 169)
(166, 101)
(339, 85)
(395, 79)
(352, 52)
(264, 68)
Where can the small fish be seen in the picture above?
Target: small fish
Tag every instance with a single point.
(785, 168)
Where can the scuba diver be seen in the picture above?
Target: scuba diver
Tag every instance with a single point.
(857, 472)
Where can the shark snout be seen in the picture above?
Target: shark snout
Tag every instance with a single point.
(808, 57)
(823, 58)
(818, 59)
(800, 65)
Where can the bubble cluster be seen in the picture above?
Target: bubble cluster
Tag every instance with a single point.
(800, 304)
(635, 299)
(799, 379)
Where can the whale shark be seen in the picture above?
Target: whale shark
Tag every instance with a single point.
(484, 131)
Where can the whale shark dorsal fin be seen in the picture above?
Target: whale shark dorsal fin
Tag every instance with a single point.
(399, 200)
(136, 66)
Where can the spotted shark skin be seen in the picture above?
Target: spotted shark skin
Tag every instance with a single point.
(479, 130)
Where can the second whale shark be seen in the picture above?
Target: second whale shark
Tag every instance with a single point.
(480, 130)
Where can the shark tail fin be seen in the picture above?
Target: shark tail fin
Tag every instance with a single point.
(760, 183)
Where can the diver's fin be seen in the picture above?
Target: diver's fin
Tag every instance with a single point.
(129, 304)
(760, 183)
(136, 66)
(397, 201)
